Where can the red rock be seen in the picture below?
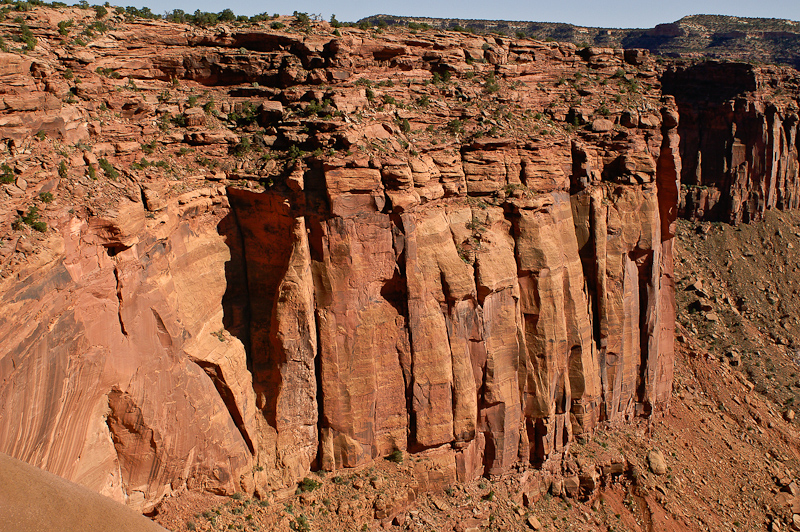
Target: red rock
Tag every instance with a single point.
(367, 285)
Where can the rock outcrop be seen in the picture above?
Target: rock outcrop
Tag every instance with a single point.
(452, 245)
(739, 139)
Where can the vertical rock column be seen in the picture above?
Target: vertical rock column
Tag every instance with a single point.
(282, 333)
(364, 346)
(559, 370)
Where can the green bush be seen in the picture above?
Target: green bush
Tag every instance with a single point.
(302, 20)
(62, 169)
(455, 127)
(396, 456)
(45, 197)
(27, 37)
(133, 12)
(308, 484)
(31, 219)
(64, 26)
(226, 15)
(100, 11)
(491, 85)
(7, 174)
(108, 168)
(242, 147)
(179, 120)
(300, 524)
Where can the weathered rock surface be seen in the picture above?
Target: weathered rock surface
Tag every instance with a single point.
(341, 257)
(739, 140)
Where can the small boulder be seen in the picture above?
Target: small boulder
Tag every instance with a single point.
(194, 117)
(601, 125)
(657, 463)
(534, 523)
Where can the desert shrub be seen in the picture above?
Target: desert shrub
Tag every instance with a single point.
(302, 21)
(6, 174)
(27, 36)
(134, 12)
(300, 524)
(64, 26)
(226, 15)
(108, 168)
(308, 484)
(455, 126)
(396, 456)
(31, 219)
(491, 85)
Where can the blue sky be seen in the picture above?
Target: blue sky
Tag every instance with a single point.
(619, 14)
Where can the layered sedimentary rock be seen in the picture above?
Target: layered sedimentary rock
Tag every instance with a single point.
(739, 139)
(318, 251)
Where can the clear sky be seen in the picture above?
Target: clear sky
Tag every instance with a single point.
(608, 13)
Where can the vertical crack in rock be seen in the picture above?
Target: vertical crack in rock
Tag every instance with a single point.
(163, 334)
(214, 372)
(119, 300)
(236, 300)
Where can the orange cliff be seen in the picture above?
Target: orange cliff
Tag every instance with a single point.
(275, 251)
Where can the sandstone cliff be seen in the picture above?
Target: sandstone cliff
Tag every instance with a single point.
(739, 139)
(269, 251)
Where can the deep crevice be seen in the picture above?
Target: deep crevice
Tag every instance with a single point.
(214, 372)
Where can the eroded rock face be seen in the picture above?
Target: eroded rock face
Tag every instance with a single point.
(490, 327)
(739, 140)
(473, 271)
(111, 349)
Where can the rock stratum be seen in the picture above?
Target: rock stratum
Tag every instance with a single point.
(719, 37)
(270, 250)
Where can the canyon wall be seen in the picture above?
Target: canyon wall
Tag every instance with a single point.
(739, 142)
(309, 249)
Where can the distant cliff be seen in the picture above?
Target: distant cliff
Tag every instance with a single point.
(762, 40)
